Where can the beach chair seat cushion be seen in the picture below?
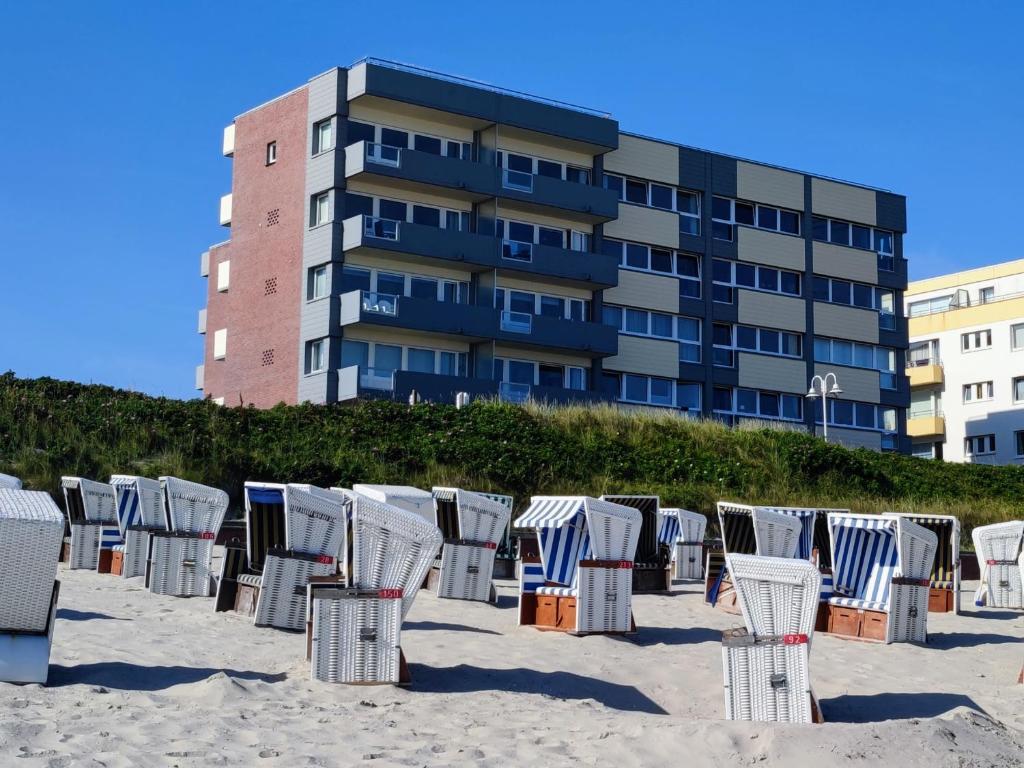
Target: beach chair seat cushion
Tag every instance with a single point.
(250, 579)
(119, 548)
(856, 602)
(558, 591)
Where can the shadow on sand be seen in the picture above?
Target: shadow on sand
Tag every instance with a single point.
(893, 706)
(431, 625)
(139, 677)
(561, 685)
(646, 636)
(69, 614)
(944, 641)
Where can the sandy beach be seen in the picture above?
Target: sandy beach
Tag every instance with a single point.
(139, 679)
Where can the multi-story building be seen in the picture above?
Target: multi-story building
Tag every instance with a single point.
(966, 365)
(395, 230)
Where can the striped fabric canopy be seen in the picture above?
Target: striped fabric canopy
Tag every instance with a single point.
(738, 528)
(669, 528)
(866, 557)
(561, 525)
(550, 511)
(647, 546)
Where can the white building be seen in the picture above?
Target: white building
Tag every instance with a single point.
(966, 365)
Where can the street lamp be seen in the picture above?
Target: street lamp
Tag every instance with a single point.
(820, 388)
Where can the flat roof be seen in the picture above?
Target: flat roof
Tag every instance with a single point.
(957, 279)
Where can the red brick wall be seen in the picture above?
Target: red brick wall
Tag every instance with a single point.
(261, 307)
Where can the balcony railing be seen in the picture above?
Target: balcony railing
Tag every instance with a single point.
(886, 321)
(377, 378)
(886, 262)
(382, 154)
(379, 303)
(516, 322)
(511, 392)
(383, 229)
(922, 362)
(925, 412)
(519, 180)
(516, 250)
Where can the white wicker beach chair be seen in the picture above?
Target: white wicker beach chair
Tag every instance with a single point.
(10, 482)
(683, 532)
(651, 564)
(180, 559)
(356, 631)
(881, 577)
(402, 496)
(467, 556)
(776, 534)
(1000, 560)
(316, 534)
(92, 515)
(587, 547)
(31, 532)
(765, 665)
(944, 593)
(139, 511)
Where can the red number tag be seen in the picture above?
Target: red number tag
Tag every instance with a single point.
(625, 564)
(490, 545)
(390, 594)
(794, 639)
(207, 535)
(325, 559)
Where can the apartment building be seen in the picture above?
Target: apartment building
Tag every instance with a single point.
(966, 365)
(399, 231)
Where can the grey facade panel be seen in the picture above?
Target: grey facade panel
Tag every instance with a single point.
(891, 211)
(723, 176)
(692, 168)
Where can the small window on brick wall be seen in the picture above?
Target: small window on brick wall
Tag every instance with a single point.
(271, 153)
(267, 358)
(273, 217)
(270, 286)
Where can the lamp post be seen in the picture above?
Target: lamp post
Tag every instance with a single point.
(820, 388)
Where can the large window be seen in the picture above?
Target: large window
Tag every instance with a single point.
(853, 235)
(861, 295)
(546, 305)
(929, 306)
(403, 139)
(316, 287)
(538, 166)
(652, 390)
(682, 201)
(660, 325)
(980, 445)
(519, 237)
(978, 392)
(321, 209)
(377, 362)
(747, 338)
(975, 340)
(858, 355)
(739, 402)
(727, 276)
(856, 415)
(389, 283)
(386, 211)
(316, 356)
(727, 214)
(1018, 441)
(685, 266)
(1018, 389)
(528, 373)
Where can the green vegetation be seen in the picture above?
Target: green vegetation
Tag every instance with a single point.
(51, 428)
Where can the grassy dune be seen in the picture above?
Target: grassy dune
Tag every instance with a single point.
(49, 428)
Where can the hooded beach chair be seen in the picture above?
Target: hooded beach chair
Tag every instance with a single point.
(139, 511)
(651, 570)
(944, 592)
(881, 575)
(402, 496)
(763, 530)
(682, 531)
(1000, 560)
(473, 526)
(316, 536)
(241, 569)
(10, 482)
(180, 557)
(31, 533)
(92, 516)
(355, 633)
(584, 583)
(765, 665)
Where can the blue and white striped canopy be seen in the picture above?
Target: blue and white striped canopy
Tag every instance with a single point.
(128, 510)
(550, 511)
(669, 528)
(561, 524)
(865, 556)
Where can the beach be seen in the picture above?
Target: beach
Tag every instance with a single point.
(138, 679)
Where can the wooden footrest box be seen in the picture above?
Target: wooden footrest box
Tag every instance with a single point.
(856, 622)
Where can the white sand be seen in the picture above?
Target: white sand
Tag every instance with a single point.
(138, 679)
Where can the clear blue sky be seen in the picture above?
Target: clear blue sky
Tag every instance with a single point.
(111, 118)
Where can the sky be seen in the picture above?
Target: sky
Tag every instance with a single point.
(111, 118)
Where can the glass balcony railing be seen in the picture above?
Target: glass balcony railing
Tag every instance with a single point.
(886, 321)
(377, 378)
(516, 322)
(511, 392)
(519, 180)
(922, 362)
(379, 303)
(516, 250)
(383, 229)
(886, 262)
(924, 412)
(382, 154)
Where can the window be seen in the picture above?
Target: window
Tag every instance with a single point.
(766, 341)
(857, 355)
(1018, 389)
(855, 415)
(980, 445)
(519, 167)
(681, 201)
(1018, 441)
(323, 136)
(930, 306)
(981, 391)
(858, 295)
(395, 138)
(526, 302)
(986, 295)
(923, 353)
(316, 287)
(271, 153)
(975, 340)
(316, 356)
(640, 322)
(1017, 337)
(651, 390)
(757, 404)
(723, 355)
(728, 275)
(727, 213)
(852, 235)
(685, 266)
(321, 209)
(688, 396)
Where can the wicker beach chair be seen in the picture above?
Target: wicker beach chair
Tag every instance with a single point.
(1000, 560)
(944, 592)
(473, 526)
(355, 633)
(31, 533)
(180, 558)
(651, 569)
(92, 516)
(682, 531)
(139, 512)
(765, 665)
(402, 496)
(881, 578)
(10, 482)
(316, 535)
(586, 551)
(241, 569)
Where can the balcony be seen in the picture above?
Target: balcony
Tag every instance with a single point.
(925, 372)
(228, 146)
(475, 181)
(516, 322)
(574, 336)
(414, 314)
(402, 240)
(201, 325)
(925, 423)
(200, 376)
(225, 210)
